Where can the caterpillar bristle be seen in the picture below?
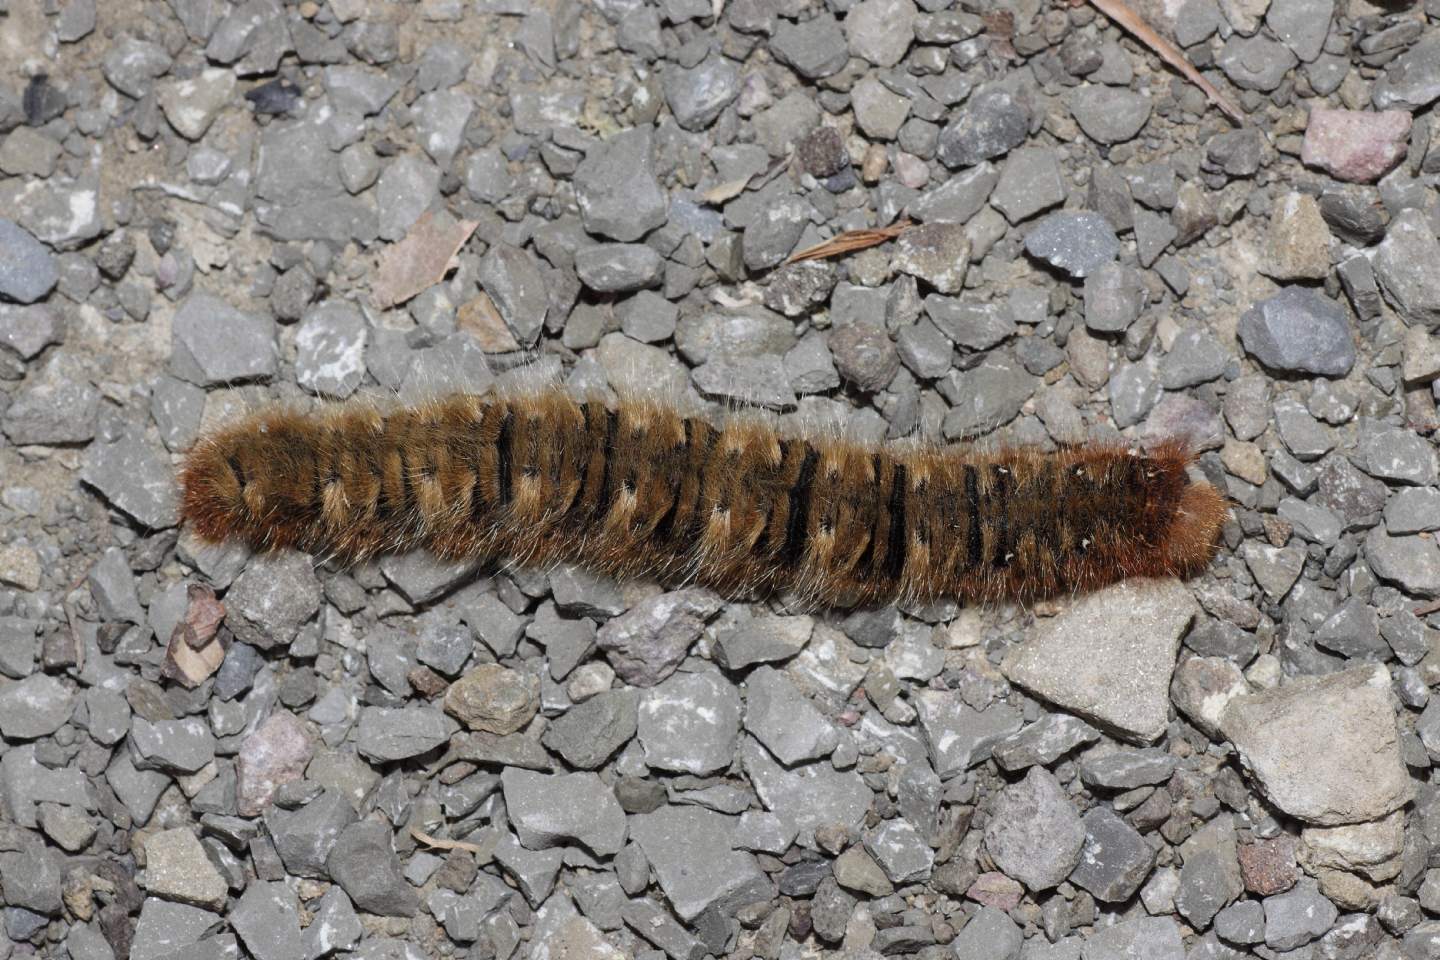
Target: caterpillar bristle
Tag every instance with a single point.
(638, 489)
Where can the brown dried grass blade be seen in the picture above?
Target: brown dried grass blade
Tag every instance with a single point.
(849, 242)
(1117, 11)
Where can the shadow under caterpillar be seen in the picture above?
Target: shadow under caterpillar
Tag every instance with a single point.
(637, 489)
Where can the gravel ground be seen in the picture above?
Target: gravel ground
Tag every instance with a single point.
(202, 209)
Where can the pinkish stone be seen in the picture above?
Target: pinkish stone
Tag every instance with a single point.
(1360, 146)
(275, 754)
(996, 890)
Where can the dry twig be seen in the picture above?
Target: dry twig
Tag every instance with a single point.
(850, 241)
(1117, 11)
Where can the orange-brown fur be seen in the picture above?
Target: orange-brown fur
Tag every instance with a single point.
(639, 490)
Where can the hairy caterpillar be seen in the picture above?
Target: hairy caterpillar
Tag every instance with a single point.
(637, 489)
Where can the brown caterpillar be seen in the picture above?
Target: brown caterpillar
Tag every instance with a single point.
(637, 489)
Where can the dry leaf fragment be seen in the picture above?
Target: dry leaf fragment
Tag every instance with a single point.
(849, 242)
(721, 192)
(195, 650)
(1128, 19)
(420, 260)
(440, 844)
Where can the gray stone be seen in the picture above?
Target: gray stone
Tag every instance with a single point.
(1325, 749)
(1109, 657)
(689, 851)
(172, 746)
(973, 326)
(487, 175)
(879, 112)
(689, 723)
(785, 721)
(275, 595)
(756, 381)
(1077, 243)
(1413, 561)
(1412, 80)
(1400, 455)
(52, 410)
(1034, 834)
(1030, 181)
(419, 575)
(587, 734)
(31, 877)
(303, 838)
(385, 734)
(1195, 357)
(1210, 878)
(958, 735)
(990, 124)
(881, 31)
(514, 282)
(1153, 938)
(534, 872)
(764, 639)
(27, 269)
(1311, 521)
(1114, 297)
(990, 935)
(616, 189)
(1241, 923)
(658, 927)
(814, 48)
(959, 197)
(1301, 433)
(1275, 569)
(1108, 114)
(333, 927)
(696, 96)
(34, 707)
(864, 355)
(27, 330)
(191, 105)
(214, 344)
(331, 345)
(900, 851)
(137, 790)
(1043, 742)
(440, 119)
(551, 810)
(405, 190)
(1126, 769)
(133, 477)
(1297, 917)
(1298, 330)
(1406, 266)
(61, 213)
(646, 643)
(364, 864)
(166, 929)
(648, 317)
(1134, 391)
(809, 797)
(1301, 25)
(1255, 63)
(1115, 859)
(985, 397)
(267, 919)
(618, 267)
(1413, 510)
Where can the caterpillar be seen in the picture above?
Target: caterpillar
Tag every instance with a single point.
(637, 489)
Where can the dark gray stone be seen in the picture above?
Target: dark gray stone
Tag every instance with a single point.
(1077, 243)
(1300, 331)
(364, 864)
